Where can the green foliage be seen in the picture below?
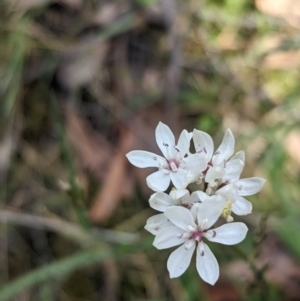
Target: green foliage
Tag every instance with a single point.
(55, 271)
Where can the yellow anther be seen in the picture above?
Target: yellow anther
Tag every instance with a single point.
(229, 219)
(226, 213)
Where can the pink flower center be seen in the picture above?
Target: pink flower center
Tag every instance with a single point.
(173, 164)
(197, 236)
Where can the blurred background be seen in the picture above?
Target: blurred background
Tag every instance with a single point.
(82, 82)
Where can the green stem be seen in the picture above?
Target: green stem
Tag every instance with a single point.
(75, 192)
(245, 256)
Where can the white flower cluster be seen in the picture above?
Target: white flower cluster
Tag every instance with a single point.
(186, 217)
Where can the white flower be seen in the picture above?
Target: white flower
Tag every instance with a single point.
(160, 201)
(175, 166)
(156, 223)
(219, 168)
(189, 229)
(234, 192)
(179, 197)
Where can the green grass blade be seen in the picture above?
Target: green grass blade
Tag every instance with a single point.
(55, 270)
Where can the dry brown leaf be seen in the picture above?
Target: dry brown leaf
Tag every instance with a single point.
(79, 67)
(282, 60)
(228, 40)
(28, 4)
(6, 147)
(282, 270)
(92, 148)
(143, 126)
(127, 186)
(106, 13)
(118, 183)
(277, 59)
(274, 7)
(292, 145)
(223, 290)
(112, 189)
(287, 9)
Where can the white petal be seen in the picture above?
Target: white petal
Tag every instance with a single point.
(177, 194)
(203, 143)
(229, 192)
(194, 198)
(169, 237)
(190, 178)
(158, 181)
(201, 196)
(233, 169)
(194, 210)
(249, 186)
(214, 173)
(207, 264)
(228, 234)
(144, 159)
(180, 216)
(179, 178)
(164, 138)
(196, 164)
(225, 149)
(161, 201)
(210, 211)
(184, 143)
(157, 222)
(241, 206)
(239, 155)
(180, 260)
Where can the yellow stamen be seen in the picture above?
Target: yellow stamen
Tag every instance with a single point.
(226, 214)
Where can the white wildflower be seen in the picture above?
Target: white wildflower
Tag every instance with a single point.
(160, 201)
(186, 217)
(219, 169)
(189, 229)
(234, 194)
(175, 166)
